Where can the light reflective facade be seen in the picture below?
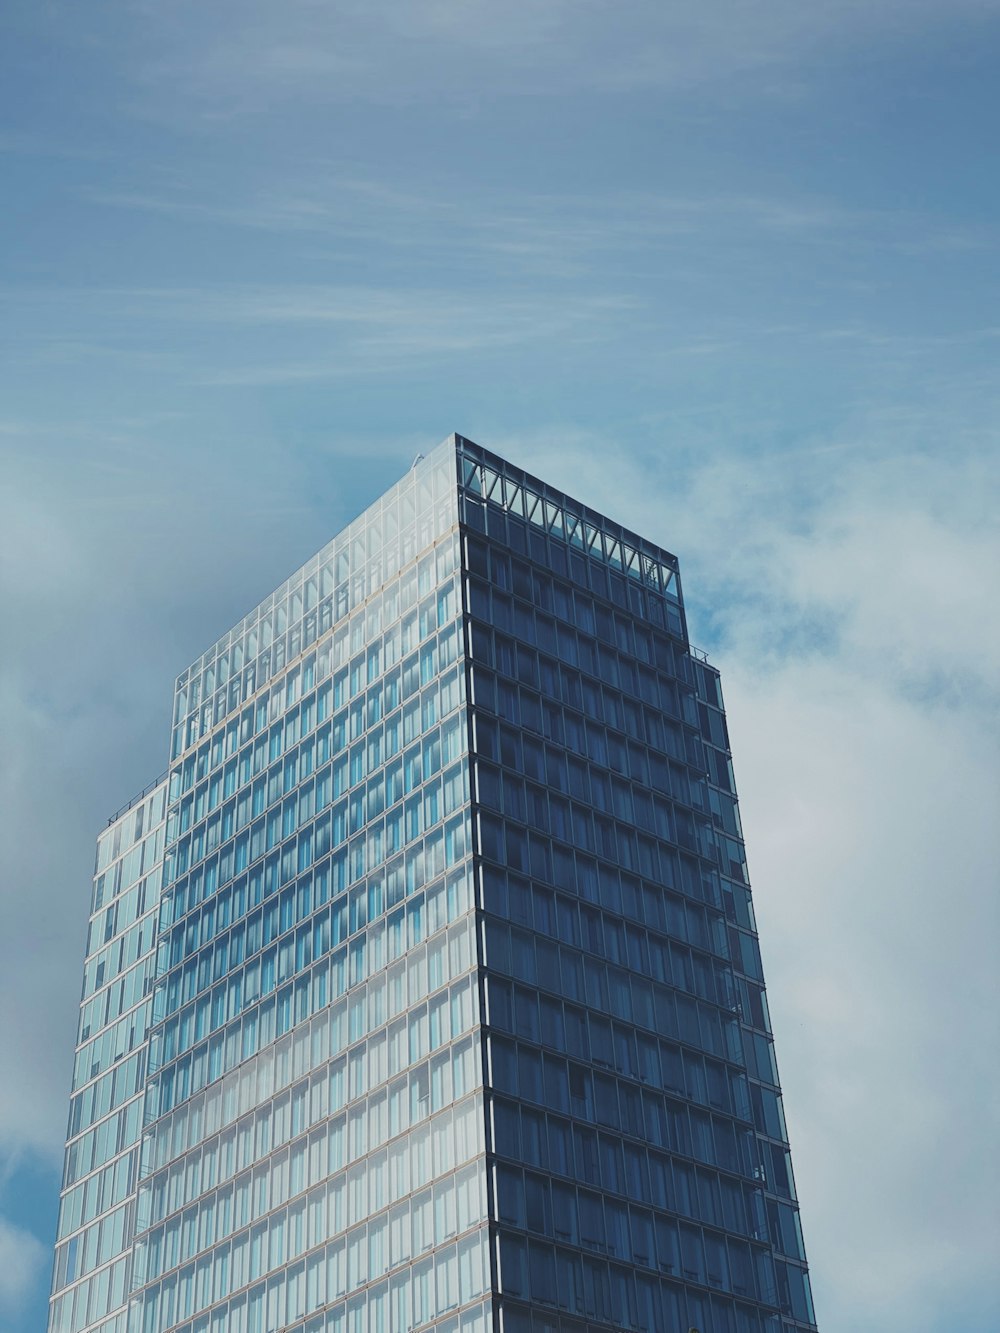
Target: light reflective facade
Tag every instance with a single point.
(448, 1010)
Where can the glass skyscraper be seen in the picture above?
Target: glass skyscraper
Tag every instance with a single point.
(423, 990)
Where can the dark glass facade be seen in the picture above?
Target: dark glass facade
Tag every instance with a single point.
(638, 1163)
(433, 959)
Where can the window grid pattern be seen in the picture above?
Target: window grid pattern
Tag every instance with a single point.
(425, 991)
(312, 805)
(92, 1269)
(318, 917)
(773, 1165)
(615, 982)
(365, 556)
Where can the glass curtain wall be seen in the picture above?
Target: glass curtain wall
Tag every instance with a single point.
(424, 991)
(638, 1165)
(313, 1148)
(92, 1272)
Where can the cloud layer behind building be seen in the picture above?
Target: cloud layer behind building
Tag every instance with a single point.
(731, 281)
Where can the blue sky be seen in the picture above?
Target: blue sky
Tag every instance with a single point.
(727, 272)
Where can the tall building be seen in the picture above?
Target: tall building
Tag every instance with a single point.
(423, 991)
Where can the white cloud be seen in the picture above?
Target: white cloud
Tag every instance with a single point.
(869, 822)
(22, 1258)
(847, 596)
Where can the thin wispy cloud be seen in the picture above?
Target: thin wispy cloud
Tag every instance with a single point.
(236, 60)
(546, 227)
(344, 330)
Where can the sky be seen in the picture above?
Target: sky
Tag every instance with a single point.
(727, 273)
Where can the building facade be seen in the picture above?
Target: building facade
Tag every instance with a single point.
(423, 992)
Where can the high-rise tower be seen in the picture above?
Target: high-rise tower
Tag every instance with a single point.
(423, 992)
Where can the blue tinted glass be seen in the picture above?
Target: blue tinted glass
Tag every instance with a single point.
(424, 991)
